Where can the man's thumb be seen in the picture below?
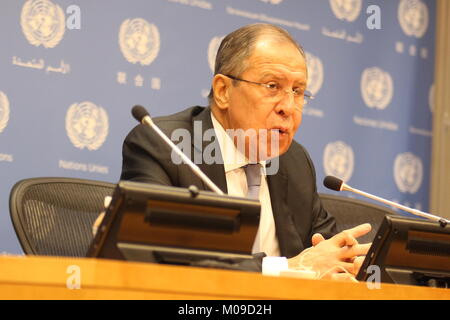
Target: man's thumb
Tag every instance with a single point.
(316, 239)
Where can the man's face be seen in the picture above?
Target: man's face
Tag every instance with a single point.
(253, 107)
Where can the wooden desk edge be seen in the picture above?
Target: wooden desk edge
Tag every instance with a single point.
(34, 277)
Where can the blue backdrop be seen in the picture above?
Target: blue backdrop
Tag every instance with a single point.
(71, 70)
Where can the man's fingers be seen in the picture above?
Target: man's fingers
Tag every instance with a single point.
(340, 267)
(350, 267)
(360, 230)
(344, 238)
(348, 237)
(343, 277)
(356, 250)
(316, 239)
(357, 263)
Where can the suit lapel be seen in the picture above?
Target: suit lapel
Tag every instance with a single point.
(288, 238)
(215, 171)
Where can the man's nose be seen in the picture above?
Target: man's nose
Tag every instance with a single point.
(287, 104)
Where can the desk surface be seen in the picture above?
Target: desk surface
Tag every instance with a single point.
(47, 277)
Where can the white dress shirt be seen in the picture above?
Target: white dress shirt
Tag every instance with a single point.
(266, 239)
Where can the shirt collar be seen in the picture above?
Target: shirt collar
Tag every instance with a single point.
(233, 159)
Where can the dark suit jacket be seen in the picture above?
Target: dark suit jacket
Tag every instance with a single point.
(297, 210)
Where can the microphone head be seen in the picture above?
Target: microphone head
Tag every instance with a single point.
(139, 112)
(333, 183)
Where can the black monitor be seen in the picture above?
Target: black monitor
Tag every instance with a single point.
(161, 224)
(409, 251)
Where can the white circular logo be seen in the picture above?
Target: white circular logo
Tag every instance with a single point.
(87, 125)
(346, 9)
(139, 41)
(43, 23)
(315, 73)
(338, 160)
(431, 98)
(4, 111)
(213, 47)
(408, 172)
(377, 88)
(413, 17)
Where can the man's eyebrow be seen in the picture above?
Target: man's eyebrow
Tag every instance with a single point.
(301, 83)
(281, 77)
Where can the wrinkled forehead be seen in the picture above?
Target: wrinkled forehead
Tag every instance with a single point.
(282, 56)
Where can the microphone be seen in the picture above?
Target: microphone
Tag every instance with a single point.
(142, 115)
(337, 184)
(139, 113)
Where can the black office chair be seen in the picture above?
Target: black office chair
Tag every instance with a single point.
(352, 212)
(54, 216)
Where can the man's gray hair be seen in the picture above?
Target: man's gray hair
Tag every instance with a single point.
(237, 46)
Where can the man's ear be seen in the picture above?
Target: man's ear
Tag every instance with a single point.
(221, 86)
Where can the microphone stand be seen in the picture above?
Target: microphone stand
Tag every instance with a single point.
(148, 121)
(443, 222)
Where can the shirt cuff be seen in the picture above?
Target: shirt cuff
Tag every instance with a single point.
(273, 266)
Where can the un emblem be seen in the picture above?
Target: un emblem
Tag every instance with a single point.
(139, 41)
(338, 160)
(408, 172)
(377, 88)
(4, 111)
(213, 47)
(315, 73)
(87, 125)
(413, 17)
(43, 23)
(346, 9)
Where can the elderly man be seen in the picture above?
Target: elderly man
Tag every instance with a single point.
(259, 85)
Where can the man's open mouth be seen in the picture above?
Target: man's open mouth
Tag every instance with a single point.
(280, 130)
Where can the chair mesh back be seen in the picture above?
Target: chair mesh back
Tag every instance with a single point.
(351, 212)
(55, 216)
